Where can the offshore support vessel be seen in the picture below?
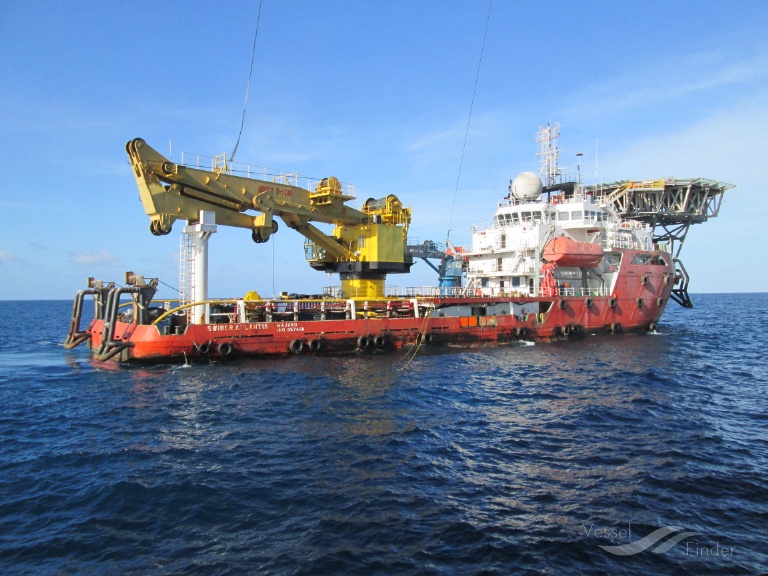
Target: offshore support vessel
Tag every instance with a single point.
(559, 259)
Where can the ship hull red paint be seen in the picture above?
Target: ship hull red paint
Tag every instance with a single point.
(640, 296)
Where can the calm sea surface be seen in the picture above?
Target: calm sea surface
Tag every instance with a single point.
(516, 459)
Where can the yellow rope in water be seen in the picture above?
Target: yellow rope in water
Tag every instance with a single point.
(415, 349)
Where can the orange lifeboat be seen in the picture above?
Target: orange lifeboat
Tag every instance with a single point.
(564, 251)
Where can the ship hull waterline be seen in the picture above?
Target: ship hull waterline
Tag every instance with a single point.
(567, 317)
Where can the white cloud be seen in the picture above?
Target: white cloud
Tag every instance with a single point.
(6, 256)
(727, 145)
(666, 81)
(437, 139)
(101, 258)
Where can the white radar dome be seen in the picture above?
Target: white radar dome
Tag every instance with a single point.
(526, 186)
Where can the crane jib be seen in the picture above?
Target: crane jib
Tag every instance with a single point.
(364, 246)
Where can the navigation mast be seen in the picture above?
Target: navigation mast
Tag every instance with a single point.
(549, 172)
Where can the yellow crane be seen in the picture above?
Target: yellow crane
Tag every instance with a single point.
(365, 244)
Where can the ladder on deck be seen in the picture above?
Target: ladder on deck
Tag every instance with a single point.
(186, 272)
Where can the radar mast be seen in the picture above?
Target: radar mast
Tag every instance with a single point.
(549, 153)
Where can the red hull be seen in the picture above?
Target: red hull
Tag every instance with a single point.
(638, 301)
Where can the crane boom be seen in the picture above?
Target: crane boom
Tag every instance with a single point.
(365, 245)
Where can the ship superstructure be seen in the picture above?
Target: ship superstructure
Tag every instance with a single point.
(506, 254)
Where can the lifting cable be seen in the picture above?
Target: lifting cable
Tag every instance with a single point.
(169, 286)
(248, 86)
(469, 119)
(274, 293)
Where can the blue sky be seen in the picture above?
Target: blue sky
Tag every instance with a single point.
(377, 94)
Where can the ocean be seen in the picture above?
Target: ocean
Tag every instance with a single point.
(615, 454)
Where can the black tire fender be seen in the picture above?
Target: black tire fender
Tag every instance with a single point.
(203, 348)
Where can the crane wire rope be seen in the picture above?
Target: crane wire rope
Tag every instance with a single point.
(274, 292)
(169, 286)
(469, 119)
(248, 86)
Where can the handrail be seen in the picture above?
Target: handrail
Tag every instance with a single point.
(300, 302)
(185, 306)
(255, 171)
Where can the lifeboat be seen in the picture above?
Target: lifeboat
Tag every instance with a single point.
(564, 251)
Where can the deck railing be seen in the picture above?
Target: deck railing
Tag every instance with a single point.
(221, 164)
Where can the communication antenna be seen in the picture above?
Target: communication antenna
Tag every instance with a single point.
(578, 160)
(597, 179)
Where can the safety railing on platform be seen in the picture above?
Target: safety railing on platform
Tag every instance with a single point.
(220, 164)
(583, 292)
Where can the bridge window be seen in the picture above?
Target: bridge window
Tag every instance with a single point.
(576, 215)
(654, 260)
(562, 215)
